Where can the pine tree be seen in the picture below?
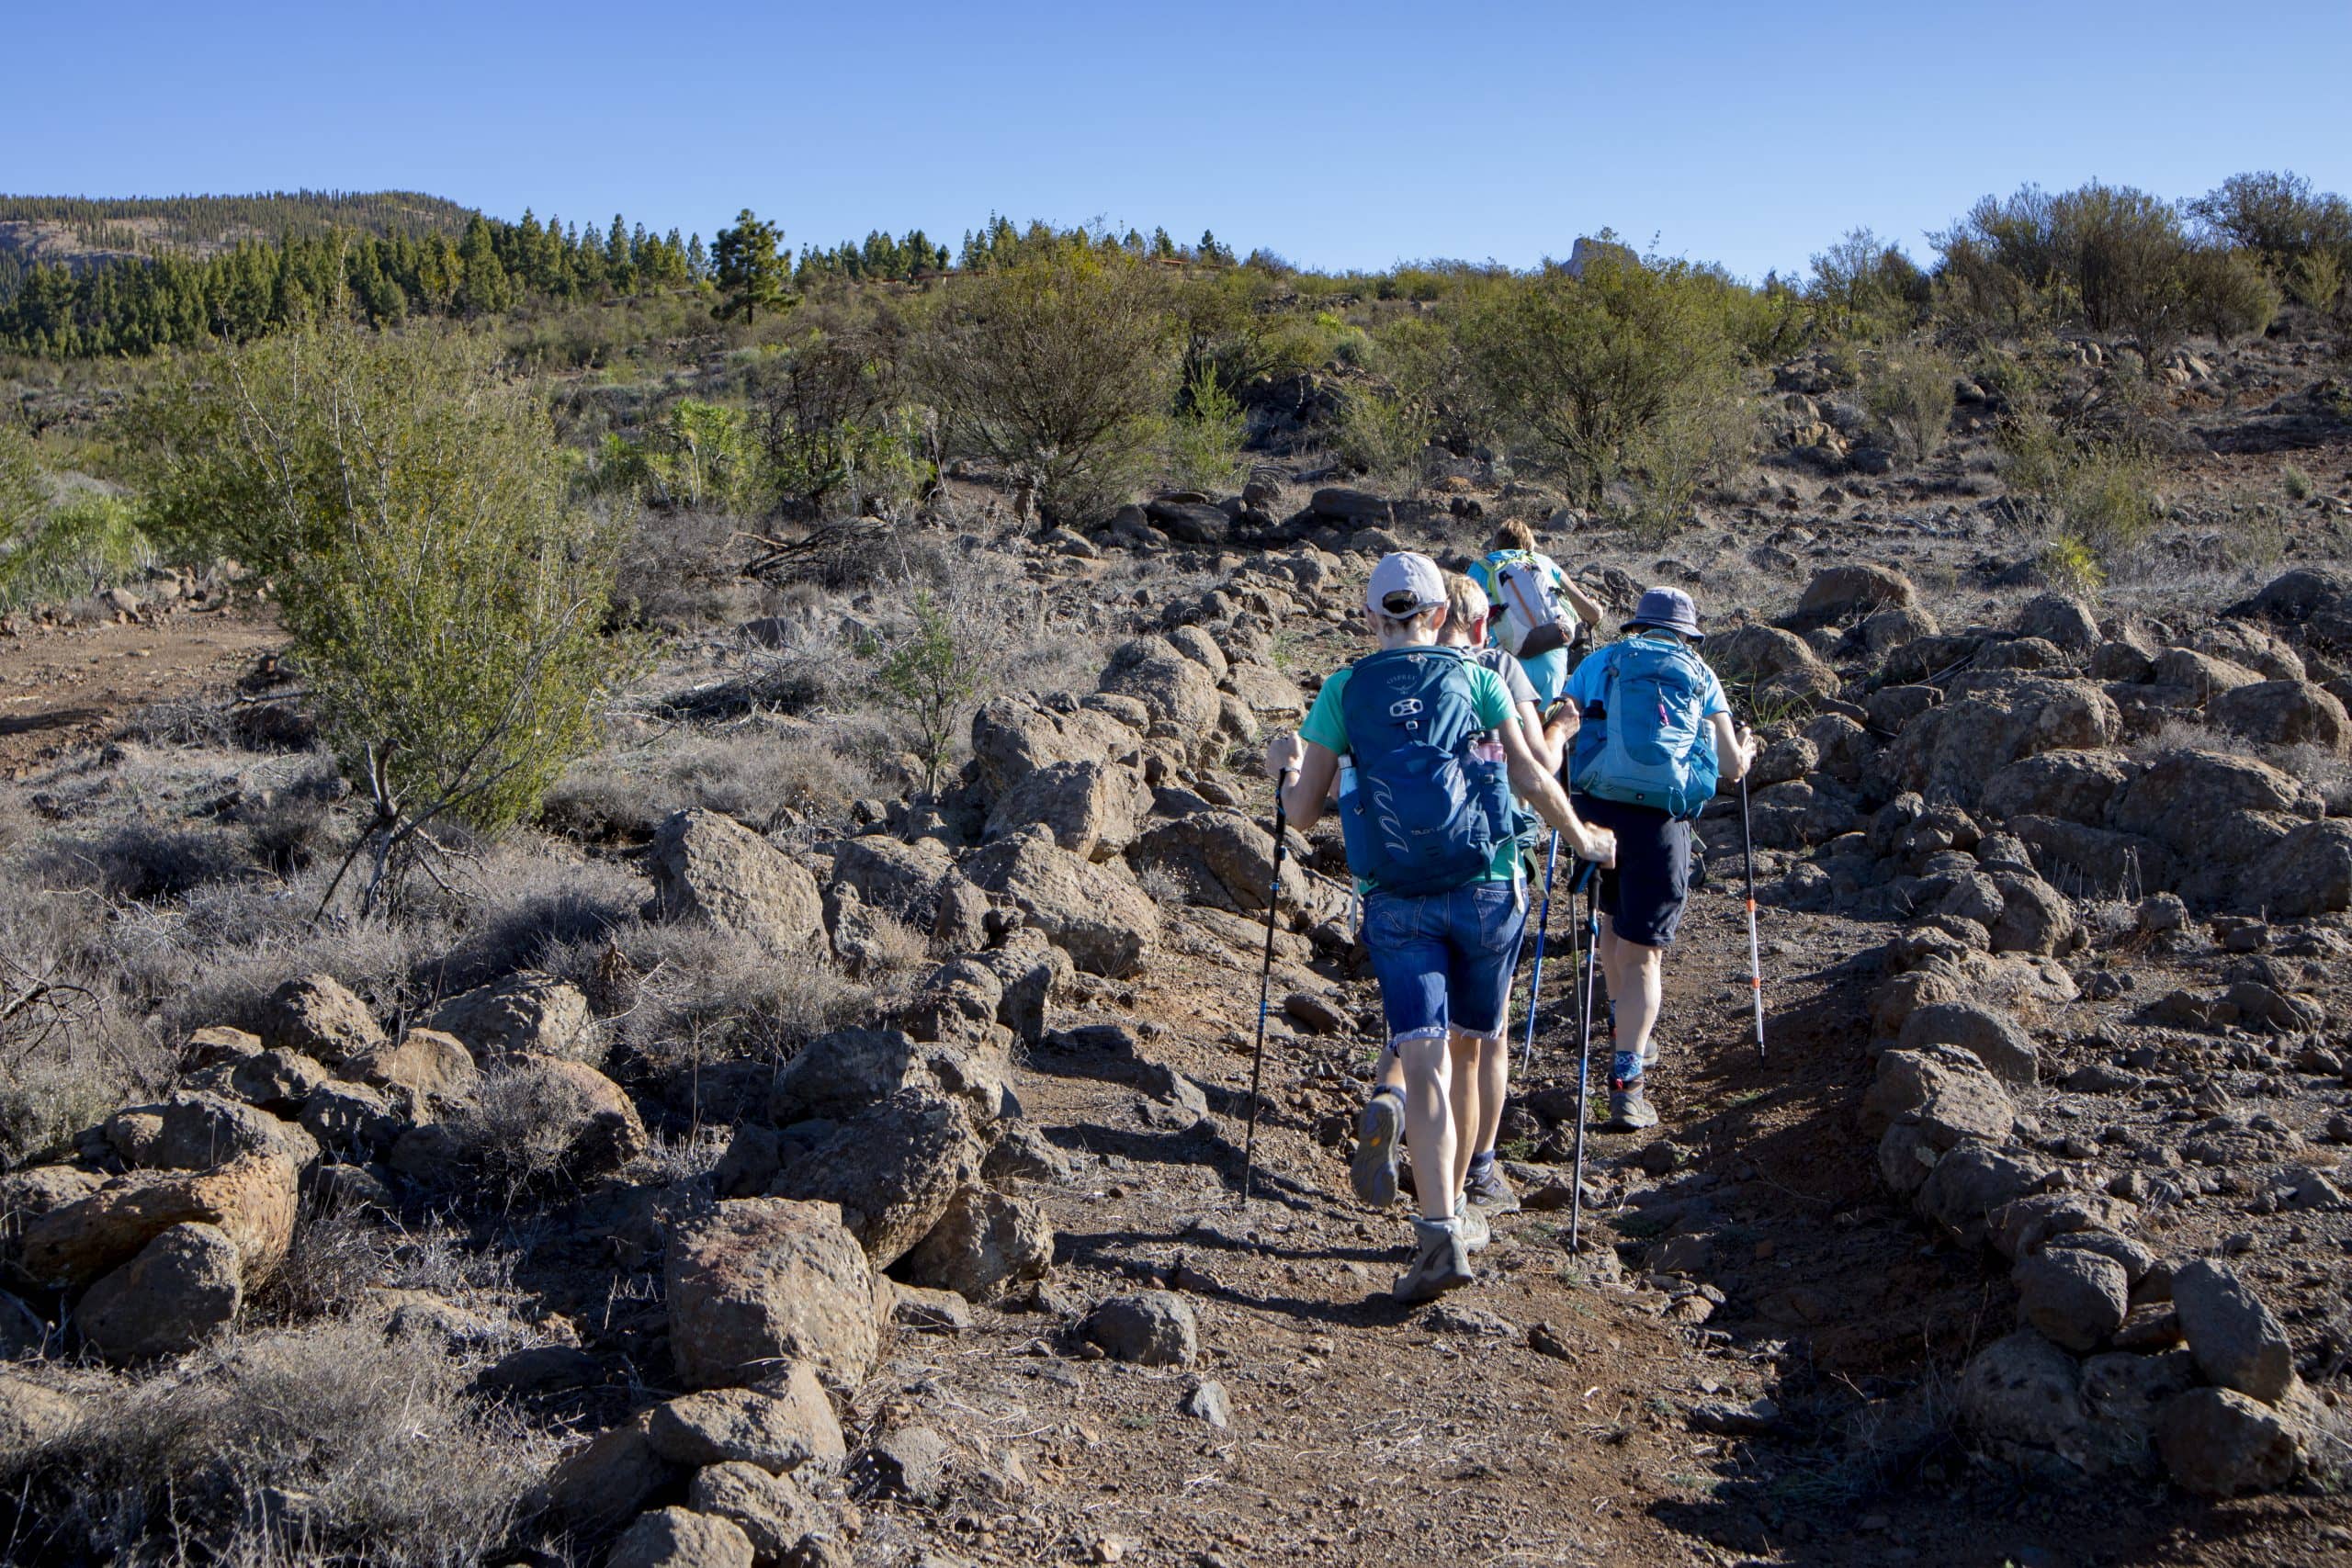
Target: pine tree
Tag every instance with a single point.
(753, 273)
(697, 259)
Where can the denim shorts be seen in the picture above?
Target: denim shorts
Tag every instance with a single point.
(1444, 960)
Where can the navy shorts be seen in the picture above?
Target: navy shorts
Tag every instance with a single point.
(1444, 960)
(1644, 893)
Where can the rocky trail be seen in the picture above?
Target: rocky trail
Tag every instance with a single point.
(2026, 1243)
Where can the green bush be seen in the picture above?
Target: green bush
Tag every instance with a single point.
(835, 430)
(1205, 436)
(59, 549)
(1058, 366)
(1910, 401)
(2277, 216)
(695, 455)
(1865, 287)
(2088, 495)
(445, 598)
(1628, 372)
(929, 676)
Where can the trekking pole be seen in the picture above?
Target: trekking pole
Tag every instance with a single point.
(1584, 1045)
(1535, 977)
(1265, 989)
(1755, 958)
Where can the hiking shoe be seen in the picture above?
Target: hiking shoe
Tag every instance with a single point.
(1649, 1050)
(1630, 1110)
(1373, 1171)
(1470, 1222)
(1441, 1263)
(1492, 1192)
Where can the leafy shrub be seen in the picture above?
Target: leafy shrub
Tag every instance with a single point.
(1628, 371)
(835, 431)
(2276, 215)
(79, 544)
(929, 676)
(1910, 401)
(1383, 434)
(2092, 497)
(1205, 436)
(445, 600)
(1055, 366)
(696, 455)
(1865, 287)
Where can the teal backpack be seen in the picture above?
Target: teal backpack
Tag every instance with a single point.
(1656, 747)
(1426, 802)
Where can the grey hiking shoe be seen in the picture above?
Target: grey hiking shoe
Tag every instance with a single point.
(1373, 1171)
(1649, 1050)
(1630, 1110)
(1441, 1263)
(1492, 1192)
(1471, 1221)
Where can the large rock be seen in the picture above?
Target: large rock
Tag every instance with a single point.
(679, 1538)
(353, 1120)
(201, 1132)
(841, 1074)
(775, 1511)
(892, 1170)
(316, 1016)
(527, 1013)
(251, 1200)
(182, 1288)
(1091, 808)
(279, 1082)
(2074, 786)
(1774, 664)
(1105, 923)
(2237, 1343)
(1838, 595)
(986, 1242)
(781, 1424)
(2201, 676)
(712, 868)
(2075, 1297)
(761, 1282)
(2284, 713)
(902, 879)
(427, 1064)
(1220, 858)
(604, 1480)
(1991, 721)
(1944, 1088)
(2193, 802)
(2060, 620)
(2122, 1391)
(1270, 697)
(2218, 1443)
(1012, 737)
(2007, 1051)
(1970, 1184)
(1181, 696)
(2307, 872)
(1154, 1328)
(2021, 1389)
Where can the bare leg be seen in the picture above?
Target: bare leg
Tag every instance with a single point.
(1494, 1082)
(1429, 1137)
(1467, 1111)
(1636, 988)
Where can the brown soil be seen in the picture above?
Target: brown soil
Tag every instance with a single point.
(62, 687)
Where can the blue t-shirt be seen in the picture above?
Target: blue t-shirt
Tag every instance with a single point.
(1590, 684)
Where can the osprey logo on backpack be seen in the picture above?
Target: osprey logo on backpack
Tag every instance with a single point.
(1656, 750)
(1426, 812)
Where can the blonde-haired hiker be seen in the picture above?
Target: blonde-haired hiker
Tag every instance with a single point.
(1526, 588)
(1427, 751)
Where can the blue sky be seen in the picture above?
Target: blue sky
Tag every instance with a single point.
(1338, 136)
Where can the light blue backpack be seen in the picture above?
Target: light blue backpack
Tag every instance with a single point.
(1656, 748)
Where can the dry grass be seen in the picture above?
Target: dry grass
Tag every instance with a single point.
(764, 778)
(327, 1444)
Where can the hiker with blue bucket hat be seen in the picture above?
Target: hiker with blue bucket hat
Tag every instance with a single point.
(1656, 738)
(1426, 751)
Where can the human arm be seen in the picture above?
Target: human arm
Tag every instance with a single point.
(1535, 785)
(1306, 771)
(1734, 748)
(1587, 607)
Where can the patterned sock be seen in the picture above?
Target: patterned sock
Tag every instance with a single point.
(1625, 1067)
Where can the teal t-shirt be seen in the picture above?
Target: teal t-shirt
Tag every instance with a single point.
(1327, 726)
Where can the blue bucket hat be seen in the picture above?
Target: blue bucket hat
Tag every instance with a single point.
(1669, 609)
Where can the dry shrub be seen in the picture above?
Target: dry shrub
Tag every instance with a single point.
(704, 994)
(527, 897)
(145, 860)
(71, 1051)
(329, 1444)
(761, 778)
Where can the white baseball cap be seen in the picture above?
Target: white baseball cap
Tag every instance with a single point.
(1404, 585)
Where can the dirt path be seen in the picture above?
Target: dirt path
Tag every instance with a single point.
(62, 687)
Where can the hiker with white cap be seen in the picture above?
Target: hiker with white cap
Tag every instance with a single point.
(1656, 738)
(1426, 752)
(1373, 1170)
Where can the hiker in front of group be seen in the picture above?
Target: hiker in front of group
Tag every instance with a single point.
(1655, 741)
(1531, 625)
(1426, 750)
(1373, 1170)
